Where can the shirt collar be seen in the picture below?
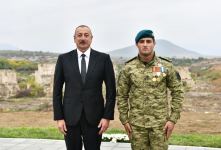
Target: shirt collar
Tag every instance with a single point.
(87, 53)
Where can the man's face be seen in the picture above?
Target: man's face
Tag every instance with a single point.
(145, 46)
(83, 38)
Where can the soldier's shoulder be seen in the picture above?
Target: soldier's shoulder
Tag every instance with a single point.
(130, 61)
(166, 59)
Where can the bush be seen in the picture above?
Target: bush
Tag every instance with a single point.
(23, 93)
(18, 65)
(29, 88)
(37, 91)
(4, 64)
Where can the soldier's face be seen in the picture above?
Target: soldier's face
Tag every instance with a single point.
(146, 46)
(83, 38)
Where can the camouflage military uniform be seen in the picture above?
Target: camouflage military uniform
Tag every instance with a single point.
(142, 100)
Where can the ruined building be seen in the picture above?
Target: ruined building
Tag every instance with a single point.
(45, 76)
(8, 83)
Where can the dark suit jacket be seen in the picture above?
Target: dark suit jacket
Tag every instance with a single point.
(88, 96)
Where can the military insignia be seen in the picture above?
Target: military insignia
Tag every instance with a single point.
(158, 73)
(156, 69)
(162, 69)
(154, 79)
(164, 75)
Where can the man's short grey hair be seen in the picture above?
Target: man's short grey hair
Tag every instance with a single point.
(82, 26)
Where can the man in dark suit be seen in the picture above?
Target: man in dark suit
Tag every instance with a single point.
(81, 113)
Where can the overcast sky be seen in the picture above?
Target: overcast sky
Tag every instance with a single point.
(48, 25)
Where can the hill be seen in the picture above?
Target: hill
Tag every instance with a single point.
(163, 48)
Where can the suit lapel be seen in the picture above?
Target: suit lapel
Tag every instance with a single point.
(92, 63)
(76, 66)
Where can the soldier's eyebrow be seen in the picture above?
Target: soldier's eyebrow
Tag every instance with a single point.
(149, 41)
(141, 41)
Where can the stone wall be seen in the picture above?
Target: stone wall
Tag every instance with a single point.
(45, 76)
(8, 83)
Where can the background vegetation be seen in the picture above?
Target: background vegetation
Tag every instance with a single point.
(205, 140)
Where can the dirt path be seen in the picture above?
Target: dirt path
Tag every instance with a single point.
(190, 122)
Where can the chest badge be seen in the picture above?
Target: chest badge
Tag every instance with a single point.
(157, 71)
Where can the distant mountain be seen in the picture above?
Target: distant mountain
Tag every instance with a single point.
(163, 48)
(4, 46)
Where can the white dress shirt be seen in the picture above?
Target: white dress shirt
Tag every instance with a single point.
(87, 57)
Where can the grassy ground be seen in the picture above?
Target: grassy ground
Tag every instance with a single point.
(205, 140)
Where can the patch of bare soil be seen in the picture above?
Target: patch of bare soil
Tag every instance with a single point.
(190, 122)
(26, 119)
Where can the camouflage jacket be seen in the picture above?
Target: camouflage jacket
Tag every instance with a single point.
(142, 93)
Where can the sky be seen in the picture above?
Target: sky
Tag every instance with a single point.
(48, 25)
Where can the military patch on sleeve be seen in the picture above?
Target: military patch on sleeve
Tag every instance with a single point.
(178, 76)
(166, 59)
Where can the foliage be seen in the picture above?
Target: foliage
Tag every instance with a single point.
(186, 61)
(18, 65)
(205, 73)
(23, 93)
(29, 88)
(205, 140)
(26, 54)
(26, 82)
(4, 64)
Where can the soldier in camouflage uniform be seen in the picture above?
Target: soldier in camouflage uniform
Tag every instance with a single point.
(142, 96)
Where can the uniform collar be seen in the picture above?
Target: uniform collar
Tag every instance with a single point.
(153, 61)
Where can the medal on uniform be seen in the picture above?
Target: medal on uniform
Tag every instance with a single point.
(162, 69)
(158, 74)
(154, 79)
(157, 71)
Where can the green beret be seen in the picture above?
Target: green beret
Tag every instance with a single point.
(144, 34)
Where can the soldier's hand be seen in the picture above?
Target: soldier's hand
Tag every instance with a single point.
(128, 130)
(168, 128)
(62, 126)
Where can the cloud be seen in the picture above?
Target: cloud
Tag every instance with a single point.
(48, 25)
